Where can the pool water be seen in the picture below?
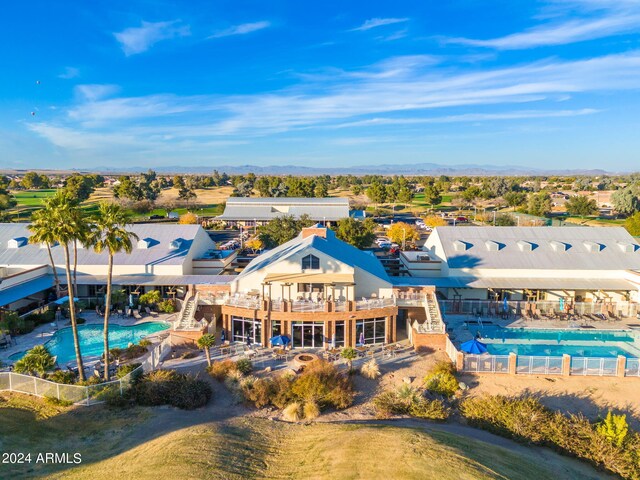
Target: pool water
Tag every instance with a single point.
(91, 341)
(555, 343)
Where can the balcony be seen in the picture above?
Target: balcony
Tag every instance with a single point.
(309, 306)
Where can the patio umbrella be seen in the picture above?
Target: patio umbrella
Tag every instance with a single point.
(361, 340)
(62, 300)
(280, 340)
(474, 346)
(131, 299)
(505, 305)
(561, 304)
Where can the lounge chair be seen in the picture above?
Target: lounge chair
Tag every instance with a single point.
(136, 315)
(150, 312)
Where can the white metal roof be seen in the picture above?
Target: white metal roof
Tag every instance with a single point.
(548, 248)
(268, 208)
(615, 284)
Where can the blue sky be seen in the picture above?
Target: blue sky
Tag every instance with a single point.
(551, 84)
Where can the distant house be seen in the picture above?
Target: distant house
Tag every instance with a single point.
(247, 211)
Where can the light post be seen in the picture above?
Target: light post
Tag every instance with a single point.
(494, 218)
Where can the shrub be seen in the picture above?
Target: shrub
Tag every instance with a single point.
(62, 376)
(293, 412)
(168, 387)
(244, 366)
(150, 298)
(131, 352)
(429, 409)
(259, 392)
(311, 410)
(192, 393)
(167, 306)
(526, 419)
(36, 361)
(112, 397)
(219, 370)
(57, 402)
(92, 380)
(124, 370)
(145, 343)
(370, 369)
(441, 380)
(408, 401)
(80, 321)
(190, 354)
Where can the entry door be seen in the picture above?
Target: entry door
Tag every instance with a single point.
(307, 335)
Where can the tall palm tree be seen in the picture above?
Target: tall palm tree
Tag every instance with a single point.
(66, 228)
(42, 228)
(111, 235)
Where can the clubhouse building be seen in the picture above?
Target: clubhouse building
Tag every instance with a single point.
(321, 291)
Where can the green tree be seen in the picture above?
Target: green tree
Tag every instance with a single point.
(402, 232)
(349, 354)
(405, 195)
(632, 224)
(515, 199)
(33, 180)
(43, 231)
(614, 428)
(626, 201)
(377, 193)
(539, 204)
(321, 190)
(80, 187)
(432, 195)
(357, 233)
(37, 361)
(186, 194)
(110, 235)
(128, 189)
(581, 206)
(205, 342)
(505, 220)
(282, 229)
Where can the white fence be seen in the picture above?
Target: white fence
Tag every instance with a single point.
(157, 354)
(486, 363)
(594, 366)
(452, 351)
(85, 395)
(633, 367)
(530, 365)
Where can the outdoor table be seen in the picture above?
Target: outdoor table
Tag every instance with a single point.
(280, 353)
(361, 351)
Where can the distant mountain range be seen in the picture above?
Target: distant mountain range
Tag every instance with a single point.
(382, 169)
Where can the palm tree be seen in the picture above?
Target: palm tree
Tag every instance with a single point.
(66, 227)
(349, 354)
(42, 228)
(205, 342)
(110, 235)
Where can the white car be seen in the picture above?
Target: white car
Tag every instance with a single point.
(386, 244)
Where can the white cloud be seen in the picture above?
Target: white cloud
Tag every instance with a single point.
(135, 40)
(241, 29)
(378, 22)
(69, 73)
(96, 91)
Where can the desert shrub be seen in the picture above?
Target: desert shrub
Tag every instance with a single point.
(244, 366)
(607, 444)
(259, 392)
(219, 370)
(441, 380)
(189, 354)
(293, 412)
(92, 380)
(370, 369)
(168, 387)
(124, 370)
(192, 393)
(62, 376)
(145, 343)
(407, 400)
(112, 396)
(129, 353)
(311, 410)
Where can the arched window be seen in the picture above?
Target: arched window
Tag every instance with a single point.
(310, 262)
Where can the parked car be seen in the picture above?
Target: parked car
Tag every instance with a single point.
(156, 217)
(386, 244)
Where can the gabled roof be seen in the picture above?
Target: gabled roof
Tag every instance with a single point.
(159, 251)
(330, 246)
(551, 248)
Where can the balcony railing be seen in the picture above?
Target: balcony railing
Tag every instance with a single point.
(309, 306)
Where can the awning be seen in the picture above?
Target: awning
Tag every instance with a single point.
(154, 280)
(516, 283)
(22, 290)
(310, 277)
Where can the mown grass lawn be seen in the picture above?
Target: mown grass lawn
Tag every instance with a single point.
(171, 444)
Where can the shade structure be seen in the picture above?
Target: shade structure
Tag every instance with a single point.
(474, 346)
(280, 340)
(62, 300)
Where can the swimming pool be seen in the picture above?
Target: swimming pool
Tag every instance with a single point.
(557, 342)
(61, 343)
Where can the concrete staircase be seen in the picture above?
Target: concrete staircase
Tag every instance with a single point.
(186, 319)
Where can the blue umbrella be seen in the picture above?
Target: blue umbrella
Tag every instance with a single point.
(474, 346)
(505, 305)
(62, 300)
(280, 340)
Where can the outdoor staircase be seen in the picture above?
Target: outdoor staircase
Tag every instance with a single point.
(186, 318)
(434, 321)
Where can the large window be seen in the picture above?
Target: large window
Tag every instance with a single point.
(310, 262)
(243, 327)
(308, 334)
(310, 287)
(339, 336)
(373, 330)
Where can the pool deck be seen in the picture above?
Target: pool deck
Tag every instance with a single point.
(42, 333)
(459, 332)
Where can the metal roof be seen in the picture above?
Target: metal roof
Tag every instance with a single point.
(159, 251)
(614, 284)
(268, 208)
(536, 248)
(330, 246)
(153, 280)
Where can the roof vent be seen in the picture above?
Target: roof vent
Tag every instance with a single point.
(593, 247)
(145, 243)
(494, 246)
(17, 242)
(559, 246)
(525, 246)
(628, 247)
(460, 246)
(44, 244)
(175, 244)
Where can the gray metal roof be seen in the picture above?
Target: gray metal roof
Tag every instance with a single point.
(158, 252)
(268, 208)
(615, 284)
(549, 248)
(330, 246)
(166, 280)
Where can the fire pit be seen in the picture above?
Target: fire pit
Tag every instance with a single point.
(304, 359)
